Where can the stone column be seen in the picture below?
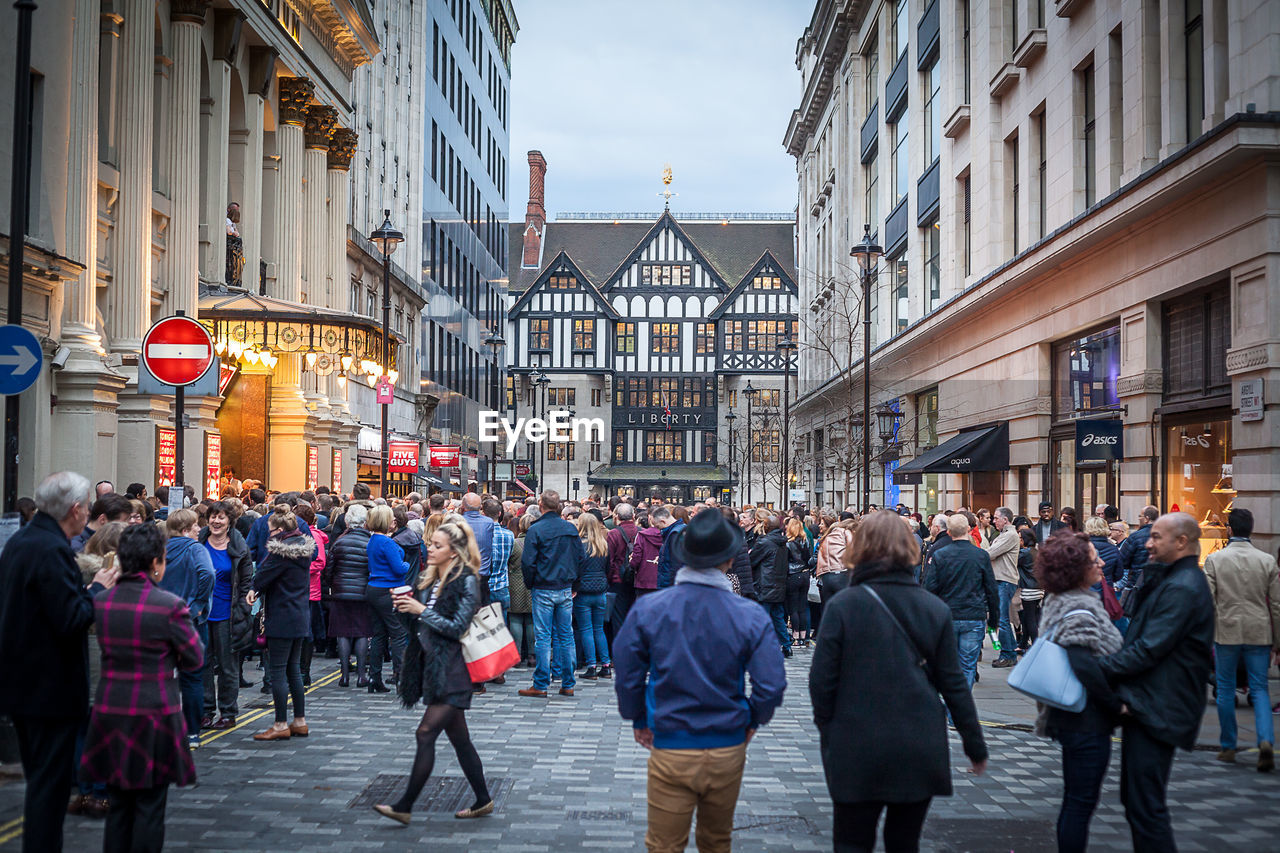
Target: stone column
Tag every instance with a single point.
(215, 123)
(183, 138)
(129, 311)
(1140, 387)
(287, 425)
(342, 146)
(295, 94)
(315, 239)
(249, 162)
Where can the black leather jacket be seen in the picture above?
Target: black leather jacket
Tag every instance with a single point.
(961, 576)
(1161, 671)
(346, 571)
(433, 663)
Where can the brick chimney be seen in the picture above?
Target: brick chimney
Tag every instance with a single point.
(535, 217)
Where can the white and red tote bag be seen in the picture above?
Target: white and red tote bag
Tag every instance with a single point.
(488, 647)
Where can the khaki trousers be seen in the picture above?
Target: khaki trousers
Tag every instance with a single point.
(681, 780)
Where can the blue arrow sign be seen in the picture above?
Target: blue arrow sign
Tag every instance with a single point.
(20, 359)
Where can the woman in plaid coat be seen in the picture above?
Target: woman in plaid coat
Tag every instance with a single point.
(136, 744)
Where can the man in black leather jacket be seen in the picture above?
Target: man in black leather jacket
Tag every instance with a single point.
(1160, 675)
(961, 576)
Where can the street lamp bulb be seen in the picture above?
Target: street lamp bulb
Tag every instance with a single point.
(220, 347)
(394, 376)
(268, 358)
(342, 380)
(372, 379)
(387, 238)
(346, 363)
(311, 360)
(251, 356)
(867, 252)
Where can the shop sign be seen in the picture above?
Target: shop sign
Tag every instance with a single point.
(166, 456)
(796, 495)
(444, 456)
(386, 393)
(313, 466)
(337, 471)
(502, 470)
(403, 458)
(522, 469)
(212, 464)
(1251, 402)
(1099, 440)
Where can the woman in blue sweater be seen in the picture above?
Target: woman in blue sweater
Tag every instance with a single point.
(387, 570)
(589, 603)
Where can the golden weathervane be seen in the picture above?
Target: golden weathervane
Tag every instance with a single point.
(667, 178)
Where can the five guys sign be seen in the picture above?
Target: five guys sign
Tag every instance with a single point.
(403, 457)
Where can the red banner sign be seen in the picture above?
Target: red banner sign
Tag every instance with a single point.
(212, 464)
(313, 466)
(444, 456)
(166, 456)
(522, 470)
(403, 458)
(337, 471)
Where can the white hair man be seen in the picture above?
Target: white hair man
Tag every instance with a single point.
(45, 615)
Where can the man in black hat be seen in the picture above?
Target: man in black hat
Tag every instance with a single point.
(1047, 525)
(680, 662)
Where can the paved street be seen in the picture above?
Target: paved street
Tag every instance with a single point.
(569, 777)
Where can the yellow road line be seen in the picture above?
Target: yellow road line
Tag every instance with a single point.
(11, 830)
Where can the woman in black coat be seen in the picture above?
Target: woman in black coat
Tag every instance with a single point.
(769, 568)
(446, 599)
(284, 579)
(875, 683)
(346, 576)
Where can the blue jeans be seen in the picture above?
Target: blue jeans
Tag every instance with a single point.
(1008, 645)
(588, 616)
(503, 597)
(553, 636)
(191, 685)
(969, 634)
(1256, 661)
(778, 613)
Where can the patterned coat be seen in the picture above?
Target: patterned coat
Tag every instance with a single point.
(136, 735)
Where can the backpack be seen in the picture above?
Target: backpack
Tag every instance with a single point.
(628, 574)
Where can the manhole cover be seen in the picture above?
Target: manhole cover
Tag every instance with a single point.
(443, 794)
(774, 823)
(611, 815)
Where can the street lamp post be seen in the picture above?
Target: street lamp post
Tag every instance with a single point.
(386, 238)
(567, 447)
(786, 346)
(867, 254)
(542, 380)
(495, 342)
(750, 394)
(731, 417)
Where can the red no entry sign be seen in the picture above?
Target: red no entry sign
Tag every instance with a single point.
(177, 350)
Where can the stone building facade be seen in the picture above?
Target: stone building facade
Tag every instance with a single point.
(1077, 206)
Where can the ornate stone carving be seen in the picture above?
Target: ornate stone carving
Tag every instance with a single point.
(295, 94)
(1146, 382)
(1239, 360)
(342, 147)
(188, 11)
(320, 122)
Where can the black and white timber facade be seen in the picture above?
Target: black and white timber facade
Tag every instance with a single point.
(653, 326)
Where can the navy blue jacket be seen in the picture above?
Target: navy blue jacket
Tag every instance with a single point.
(553, 554)
(260, 533)
(682, 658)
(666, 566)
(1133, 557)
(188, 574)
(1110, 555)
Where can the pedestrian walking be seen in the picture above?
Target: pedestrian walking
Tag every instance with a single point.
(683, 658)
(798, 554)
(552, 567)
(646, 551)
(769, 564)
(521, 621)
(1160, 674)
(189, 575)
(739, 573)
(136, 744)
(283, 580)
(886, 652)
(621, 541)
(346, 574)
(831, 572)
(1246, 602)
(1003, 551)
(499, 560)
(1067, 567)
(961, 576)
(445, 599)
(230, 624)
(482, 526)
(1100, 536)
(387, 570)
(1046, 525)
(1133, 558)
(45, 615)
(1029, 588)
(589, 604)
(315, 590)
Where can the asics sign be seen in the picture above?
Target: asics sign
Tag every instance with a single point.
(1099, 440)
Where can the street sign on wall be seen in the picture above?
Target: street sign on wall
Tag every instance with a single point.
(1099, 440)
(444, 456)
(1251, 402)
(212, 464)
(177, 350)
(337, 470)
(403, 457)
(313, 466)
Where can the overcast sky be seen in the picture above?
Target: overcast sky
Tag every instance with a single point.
(610, 90)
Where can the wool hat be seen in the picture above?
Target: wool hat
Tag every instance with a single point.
(708, 540)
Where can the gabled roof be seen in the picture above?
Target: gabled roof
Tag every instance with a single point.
(584, 282)
(666, 220)
(598, 248)
(766, 258)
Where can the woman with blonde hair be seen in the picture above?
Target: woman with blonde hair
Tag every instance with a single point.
(589, 603)
(798, 553)
(831, 573)
(446, 598)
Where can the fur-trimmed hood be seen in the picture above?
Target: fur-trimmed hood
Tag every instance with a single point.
(292, 546)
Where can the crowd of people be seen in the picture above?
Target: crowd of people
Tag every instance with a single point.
(682, 606)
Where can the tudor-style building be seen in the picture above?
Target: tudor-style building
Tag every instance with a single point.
(655, 326)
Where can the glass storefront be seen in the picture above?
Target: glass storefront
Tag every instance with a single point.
(1197, 472)
(1085, 371)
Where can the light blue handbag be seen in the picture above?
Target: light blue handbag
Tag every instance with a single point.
(1044, 674)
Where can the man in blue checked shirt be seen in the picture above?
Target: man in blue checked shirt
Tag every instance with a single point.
(503, 541)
